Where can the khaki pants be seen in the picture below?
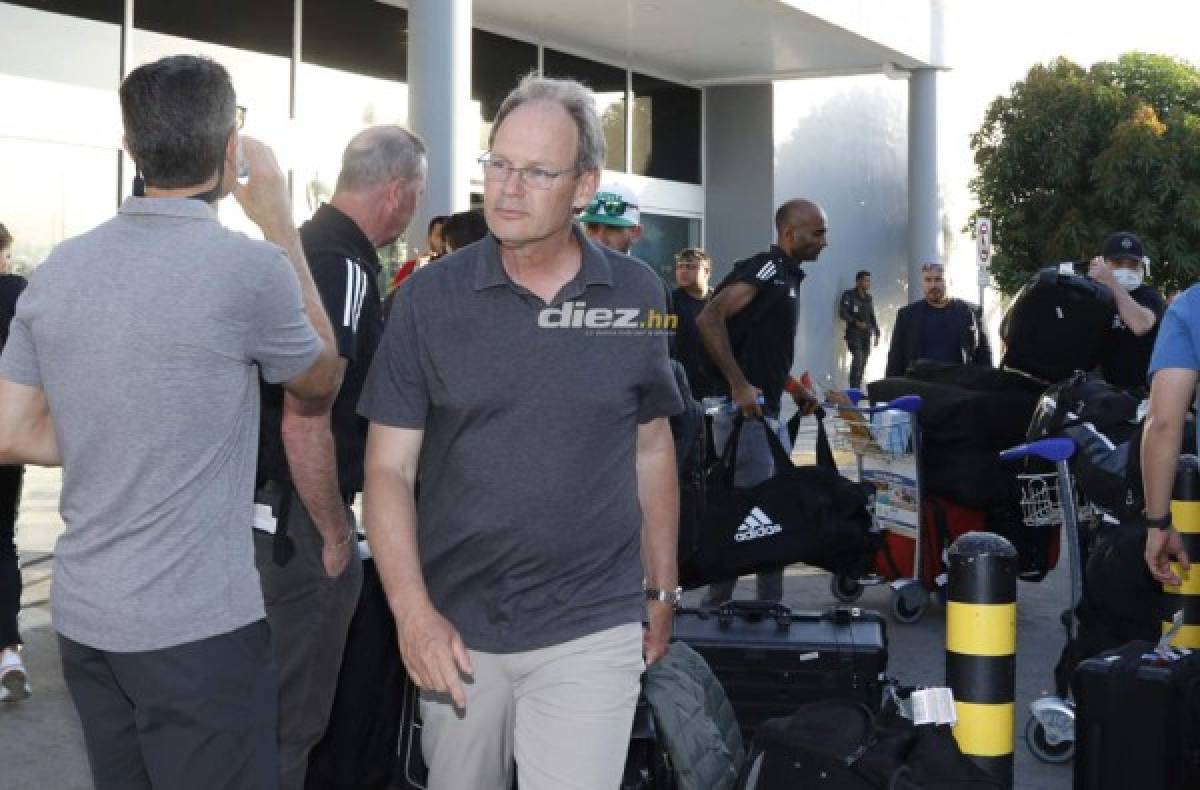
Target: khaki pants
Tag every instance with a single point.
(563, 711)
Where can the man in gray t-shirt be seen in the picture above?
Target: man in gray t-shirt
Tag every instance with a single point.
(525, 378)
(133, 360)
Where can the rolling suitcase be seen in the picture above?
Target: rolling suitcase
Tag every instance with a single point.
(771, 660)
(1137, 720)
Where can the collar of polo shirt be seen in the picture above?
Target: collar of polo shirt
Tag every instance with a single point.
(489, 270)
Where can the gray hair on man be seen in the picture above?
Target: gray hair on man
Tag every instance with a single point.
(379, 154)
(574, 97)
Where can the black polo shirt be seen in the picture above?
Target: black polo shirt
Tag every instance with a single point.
(1126, 357)
(345, 268)
(763, 333)
(528, 523)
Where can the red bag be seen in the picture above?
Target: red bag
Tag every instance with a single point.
(942, 522)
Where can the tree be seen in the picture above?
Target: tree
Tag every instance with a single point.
(1072, 155)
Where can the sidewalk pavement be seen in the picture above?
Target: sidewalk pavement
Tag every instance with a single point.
(41, 747)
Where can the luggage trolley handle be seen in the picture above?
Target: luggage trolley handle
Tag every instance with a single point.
(754, 611)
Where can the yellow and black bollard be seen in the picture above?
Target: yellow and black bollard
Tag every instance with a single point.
(1185, 515)
(981, 646)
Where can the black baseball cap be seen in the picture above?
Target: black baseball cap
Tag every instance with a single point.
(1123, 245)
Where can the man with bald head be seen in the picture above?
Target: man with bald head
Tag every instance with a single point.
(749, 332)
(310, 460)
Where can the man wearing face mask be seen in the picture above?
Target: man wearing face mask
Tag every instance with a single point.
(1140, 308)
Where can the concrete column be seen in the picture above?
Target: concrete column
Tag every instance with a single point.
(439, 105)
(924, 222)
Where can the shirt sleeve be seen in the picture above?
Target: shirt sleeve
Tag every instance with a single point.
(344, 287)
(658, 395)
(758, 271)
(1152, 299)
(1175, 346)
(396, 391)
(281, 341)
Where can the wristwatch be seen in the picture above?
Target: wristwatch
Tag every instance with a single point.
(1163, 522)
(672, 597)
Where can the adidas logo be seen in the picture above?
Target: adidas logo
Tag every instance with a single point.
(757, 525)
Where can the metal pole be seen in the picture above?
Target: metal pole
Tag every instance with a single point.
(1185, 513)
(981, 646)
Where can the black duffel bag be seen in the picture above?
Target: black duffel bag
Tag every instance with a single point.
(955, 417)
(808, 514)
(840, 745)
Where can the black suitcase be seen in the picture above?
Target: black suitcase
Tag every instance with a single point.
(1137, 721)
(771, 660)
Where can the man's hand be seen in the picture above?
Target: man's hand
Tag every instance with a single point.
(1162, 547)
(1100, 271)
(806, 402)
(264, 197)
(434, 654)
(657, 637)
(746, 399)
(336, 556)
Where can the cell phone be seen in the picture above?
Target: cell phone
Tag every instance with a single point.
(243, 167)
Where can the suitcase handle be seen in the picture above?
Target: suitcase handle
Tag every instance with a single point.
(754, 611)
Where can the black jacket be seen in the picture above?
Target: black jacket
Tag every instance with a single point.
(906, 337)
(855, 307)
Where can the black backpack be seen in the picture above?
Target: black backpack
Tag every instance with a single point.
(1058, 323)
(1089, 398)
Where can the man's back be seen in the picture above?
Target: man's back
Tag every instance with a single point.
(144, 334)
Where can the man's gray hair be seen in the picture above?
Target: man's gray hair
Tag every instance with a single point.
(379, 154)
(574, 97)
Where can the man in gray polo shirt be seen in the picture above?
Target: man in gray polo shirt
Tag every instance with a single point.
(133, 361)
(514, 378)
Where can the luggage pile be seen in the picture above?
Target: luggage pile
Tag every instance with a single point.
(968, 416)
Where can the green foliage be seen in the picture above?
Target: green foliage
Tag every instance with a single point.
(1072, 155)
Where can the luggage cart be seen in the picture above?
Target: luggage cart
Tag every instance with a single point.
(1051, 501)
(886, 443)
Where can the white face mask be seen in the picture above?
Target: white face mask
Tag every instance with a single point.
(1127, 278)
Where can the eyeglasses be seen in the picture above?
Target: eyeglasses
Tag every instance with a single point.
(239, 117)
(496, 169)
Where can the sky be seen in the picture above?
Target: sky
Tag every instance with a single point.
(991, 46)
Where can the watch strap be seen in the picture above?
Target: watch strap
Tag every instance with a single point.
(1162, 522)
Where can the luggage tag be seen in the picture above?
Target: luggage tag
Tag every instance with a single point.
(933, 706)
(264, 519)
(1163, 649)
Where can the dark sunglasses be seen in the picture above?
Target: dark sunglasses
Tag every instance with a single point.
(613, 208)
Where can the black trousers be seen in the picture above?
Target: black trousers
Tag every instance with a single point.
(197, 716)
(10, 572)
(859, 351)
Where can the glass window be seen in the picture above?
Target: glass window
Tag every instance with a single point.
(363, 37)
(354, 63)
(261, 26)
(61, 127)
(666, 130)
(262, 85)
(497, 65)
(662, 237)
(609, 84)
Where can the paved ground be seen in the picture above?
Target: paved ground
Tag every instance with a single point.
(41, 746)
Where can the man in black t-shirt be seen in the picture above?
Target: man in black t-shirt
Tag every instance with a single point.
(749, 333)
(692, 268)
(1140, 308)
(310, 462)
